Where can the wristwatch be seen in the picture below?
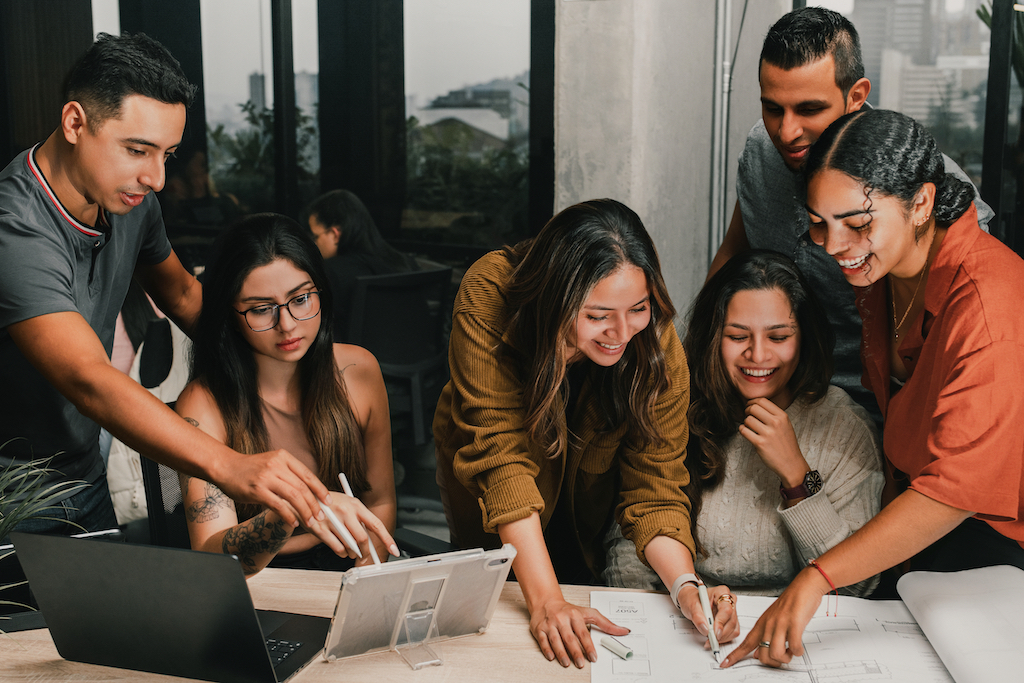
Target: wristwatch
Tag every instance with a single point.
(807, 488)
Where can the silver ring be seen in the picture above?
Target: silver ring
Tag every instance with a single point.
(764, 643)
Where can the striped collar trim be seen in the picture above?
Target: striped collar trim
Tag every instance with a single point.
(75, 223)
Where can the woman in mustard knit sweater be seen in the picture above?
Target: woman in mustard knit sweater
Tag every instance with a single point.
(566, 414)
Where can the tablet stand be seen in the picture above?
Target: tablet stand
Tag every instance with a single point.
(417, 622)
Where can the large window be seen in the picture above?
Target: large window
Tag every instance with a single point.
(467, 85)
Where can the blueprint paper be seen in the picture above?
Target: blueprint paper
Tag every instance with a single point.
(870, 640)
(974, 618)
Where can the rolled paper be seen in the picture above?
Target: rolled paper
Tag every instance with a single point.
(617, 647)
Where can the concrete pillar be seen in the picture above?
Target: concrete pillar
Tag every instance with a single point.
(633, 92)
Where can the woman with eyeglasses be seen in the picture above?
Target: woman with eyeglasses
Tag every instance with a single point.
(266, 375)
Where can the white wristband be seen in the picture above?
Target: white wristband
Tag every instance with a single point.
(678, 583)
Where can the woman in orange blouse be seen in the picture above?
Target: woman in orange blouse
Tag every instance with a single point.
(943, 352)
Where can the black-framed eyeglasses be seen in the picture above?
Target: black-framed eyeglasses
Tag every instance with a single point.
(266, 316)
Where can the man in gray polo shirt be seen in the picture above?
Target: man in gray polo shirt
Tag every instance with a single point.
(77, 220)
(811, 73)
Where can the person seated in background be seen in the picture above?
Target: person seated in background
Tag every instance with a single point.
(351, 246)
(763, 417)
(265, 375)
(566, 414)
(943, 352)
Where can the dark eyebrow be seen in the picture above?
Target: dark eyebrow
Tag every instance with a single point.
(307, 283)
(840, 216)
(799, 105)
(605, 308)
(780, 326)
(147, 143)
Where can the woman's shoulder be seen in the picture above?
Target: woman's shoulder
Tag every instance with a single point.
(355, 360)
(197, 405)
(481, 290)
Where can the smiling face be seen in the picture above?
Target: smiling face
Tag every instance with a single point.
(868, 237)
(761, 345)
(118, 161)
(615, 311)
(798, 104)
(277, 283)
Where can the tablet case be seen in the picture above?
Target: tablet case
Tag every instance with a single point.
(406, 604)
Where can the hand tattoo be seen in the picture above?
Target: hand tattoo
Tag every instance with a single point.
(210, 506)
(255, 537)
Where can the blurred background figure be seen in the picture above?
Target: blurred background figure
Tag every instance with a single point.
(190, 196)
(351, 246)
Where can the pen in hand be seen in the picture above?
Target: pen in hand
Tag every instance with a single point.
(705, 605)
(348, 492)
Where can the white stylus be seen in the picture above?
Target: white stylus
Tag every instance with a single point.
(345, 534)
(348, 491)
(705, 605)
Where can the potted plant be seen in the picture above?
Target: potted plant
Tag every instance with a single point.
(24, 496)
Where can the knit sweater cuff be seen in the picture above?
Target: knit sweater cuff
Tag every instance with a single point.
(510, 500)
(814, 525)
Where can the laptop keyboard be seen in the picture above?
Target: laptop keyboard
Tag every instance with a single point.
(280, 649)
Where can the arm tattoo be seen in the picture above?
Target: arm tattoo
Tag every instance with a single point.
(192, 421)
(254, 537)
(210, 506)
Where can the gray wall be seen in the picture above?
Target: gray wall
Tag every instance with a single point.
(633, 119)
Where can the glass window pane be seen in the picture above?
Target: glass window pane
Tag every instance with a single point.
(467, 83)
(305, 51)
(929, 60)
(238, 80)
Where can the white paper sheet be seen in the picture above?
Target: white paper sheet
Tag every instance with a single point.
(868, 641)
(974, 619)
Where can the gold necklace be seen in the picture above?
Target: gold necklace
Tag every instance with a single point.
(898, 325)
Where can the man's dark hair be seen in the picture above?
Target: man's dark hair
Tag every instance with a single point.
(118, 66)
(808, 34)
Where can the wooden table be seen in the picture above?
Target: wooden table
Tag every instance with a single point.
(507, 652)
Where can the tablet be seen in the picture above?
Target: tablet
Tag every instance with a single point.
(406, 604)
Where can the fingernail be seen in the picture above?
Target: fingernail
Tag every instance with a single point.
(327, 499)
(580, 663)
(592, 656)
(295, 524)
(312, 522)
(564, 662)
(321, 516)
(394, 550)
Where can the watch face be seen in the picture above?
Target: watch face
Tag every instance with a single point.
(812, 480)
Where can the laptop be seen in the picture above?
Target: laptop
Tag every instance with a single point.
(162, 610)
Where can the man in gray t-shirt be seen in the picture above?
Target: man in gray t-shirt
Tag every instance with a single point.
(810, 73)
(77, 221)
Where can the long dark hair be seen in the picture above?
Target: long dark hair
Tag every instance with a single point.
(553, 275)
(716, 406)
(223, 362)
(359, 234)
(893, 154)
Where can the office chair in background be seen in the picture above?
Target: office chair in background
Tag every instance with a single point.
(404, 320)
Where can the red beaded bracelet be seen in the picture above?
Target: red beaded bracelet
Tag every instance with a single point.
(835, 612)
